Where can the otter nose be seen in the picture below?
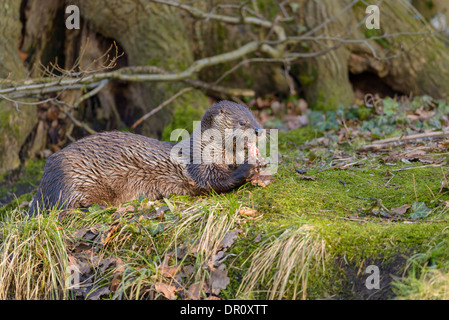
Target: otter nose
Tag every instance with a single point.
(258, 131)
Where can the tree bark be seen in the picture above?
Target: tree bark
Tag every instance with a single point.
(325, 79)
(407, 64)
(150, 34)
(16, 122)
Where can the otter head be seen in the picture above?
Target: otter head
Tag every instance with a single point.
(226, 115)
(237, 128)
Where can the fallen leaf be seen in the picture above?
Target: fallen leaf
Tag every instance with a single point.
(215, 260)
(230, 237)
(219, 279)
(169, 272)
(248, 212)
(194, 291)
(401, 210)
(308, 178)
(167, 290)
(414, 154)
(188, 270)
(96, 294)
(419, 210)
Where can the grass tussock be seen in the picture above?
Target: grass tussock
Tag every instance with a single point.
(148, 258)
(432, 284)
(183, 255)
(33, 258)
(427, 274)
(280, 268)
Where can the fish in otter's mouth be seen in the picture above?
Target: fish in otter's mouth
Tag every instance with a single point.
(253, 154)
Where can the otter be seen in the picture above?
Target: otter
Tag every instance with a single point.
(114, 167)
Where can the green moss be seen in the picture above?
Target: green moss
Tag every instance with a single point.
(306, 80)
(25, 180)
(343, 215)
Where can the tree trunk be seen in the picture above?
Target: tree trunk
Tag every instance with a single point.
(406, 64)
(16, 122)
(325, 79)
(150, 34)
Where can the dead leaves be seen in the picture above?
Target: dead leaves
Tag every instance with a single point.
(175, 280)
(261, 180)
(167, 290)
(218, 279)
(218, 274)
(411, 156)
(249, 215)
(194, 291)
(271, 112)
(87, 262)
(417, 210)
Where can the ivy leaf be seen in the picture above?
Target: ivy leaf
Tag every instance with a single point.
(419, 210)
(389, 107)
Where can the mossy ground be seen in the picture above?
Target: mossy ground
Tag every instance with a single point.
(346, 208)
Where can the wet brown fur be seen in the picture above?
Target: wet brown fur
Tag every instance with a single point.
(113, 167)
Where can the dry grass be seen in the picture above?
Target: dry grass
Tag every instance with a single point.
(34, 254)
(280, 268)
(194, 239)
(33, 258)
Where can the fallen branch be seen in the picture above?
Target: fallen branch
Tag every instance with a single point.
(402, 140)
(46, 85)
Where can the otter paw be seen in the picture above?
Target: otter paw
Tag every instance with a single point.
(245, 171)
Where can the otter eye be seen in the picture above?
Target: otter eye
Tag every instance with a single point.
(242, 123)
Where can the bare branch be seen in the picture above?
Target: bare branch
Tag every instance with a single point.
(227, 19)
(158, 108)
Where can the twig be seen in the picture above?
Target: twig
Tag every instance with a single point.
(227, 19)
(435, 199)
(420, 167)
(228, 91)
(397, 141)
(91, 93)
(158, 108)
(77, 122)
